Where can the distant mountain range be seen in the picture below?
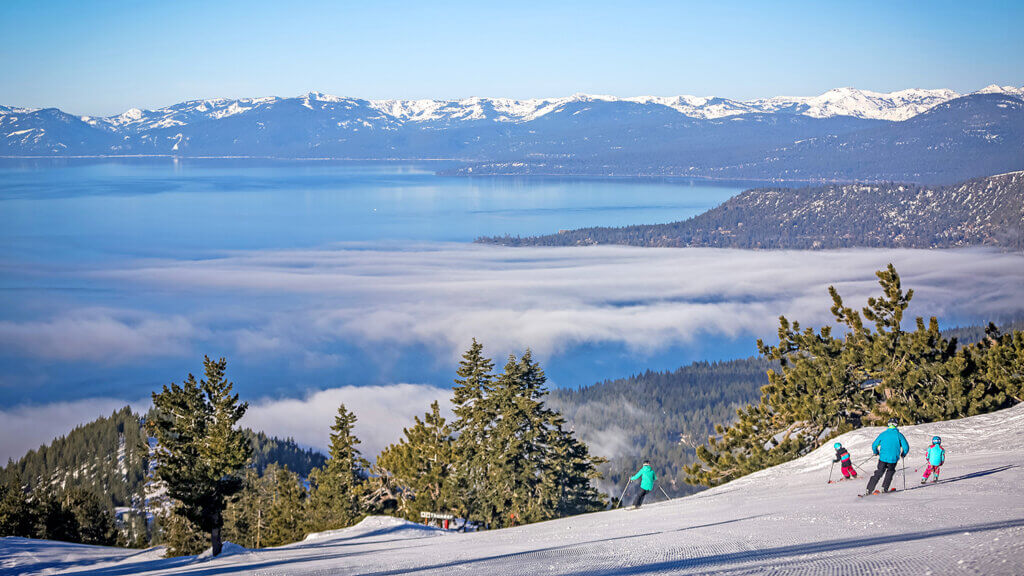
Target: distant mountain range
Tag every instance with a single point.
(842, 134)
(984, 211)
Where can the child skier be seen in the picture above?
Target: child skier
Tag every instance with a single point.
(847, 462)
(936, 458)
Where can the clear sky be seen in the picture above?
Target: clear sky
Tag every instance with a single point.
(103, 57)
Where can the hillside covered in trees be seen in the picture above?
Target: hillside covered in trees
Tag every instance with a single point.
(661, 416)
(980, 212)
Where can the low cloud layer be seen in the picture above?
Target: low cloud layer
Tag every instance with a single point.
(99, 334)
(552, 299)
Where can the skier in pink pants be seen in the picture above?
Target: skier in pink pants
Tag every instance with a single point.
(936, 458)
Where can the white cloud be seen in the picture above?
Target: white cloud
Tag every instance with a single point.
(99, 334)
(552, 299)
(381, 411)
(26, 427)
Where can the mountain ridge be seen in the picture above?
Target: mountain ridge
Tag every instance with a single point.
(985, 211)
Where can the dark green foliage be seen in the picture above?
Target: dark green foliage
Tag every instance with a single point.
(268, 450)
(201, 451)
(336, 489)
(984, 211)
(17, 515)
(94, 520)
(420, 465)
(269, 511)
(180, 536)
(514, 460)
(473, 417)
(661, 416)
(829, 384)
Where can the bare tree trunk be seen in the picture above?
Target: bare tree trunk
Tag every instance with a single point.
(215, 542)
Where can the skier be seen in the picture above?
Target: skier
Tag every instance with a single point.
(847, 462)
(890, 446)
(936, 458)
(647, 478)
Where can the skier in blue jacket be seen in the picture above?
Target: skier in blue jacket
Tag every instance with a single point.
(890, 446)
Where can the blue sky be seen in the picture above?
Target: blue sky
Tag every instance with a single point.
(103, 57)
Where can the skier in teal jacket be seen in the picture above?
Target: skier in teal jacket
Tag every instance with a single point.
(647, 478)
(890, 446)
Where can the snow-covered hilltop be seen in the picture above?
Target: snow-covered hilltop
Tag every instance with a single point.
(783, 520)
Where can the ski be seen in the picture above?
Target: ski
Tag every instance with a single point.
(876, 493)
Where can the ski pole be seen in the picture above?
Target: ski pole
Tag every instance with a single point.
(904, 472)
(623, 493)
(830, 471)
(667, 497)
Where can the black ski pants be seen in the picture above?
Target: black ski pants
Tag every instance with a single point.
(887, 468)
(640, 498)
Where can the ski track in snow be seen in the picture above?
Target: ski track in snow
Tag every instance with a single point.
(785, 520)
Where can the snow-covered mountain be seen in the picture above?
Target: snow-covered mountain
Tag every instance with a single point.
(775, 138)
(893, 106)
(783, 520)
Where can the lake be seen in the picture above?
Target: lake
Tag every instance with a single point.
(71, 329)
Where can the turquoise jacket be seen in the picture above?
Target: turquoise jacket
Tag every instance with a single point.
(936, 455)
(646, 476)
(890, 446)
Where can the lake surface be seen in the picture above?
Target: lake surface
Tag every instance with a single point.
(69, 329)
(54, 210)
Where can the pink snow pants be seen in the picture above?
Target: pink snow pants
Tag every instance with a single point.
(848, 471)
(928, 471)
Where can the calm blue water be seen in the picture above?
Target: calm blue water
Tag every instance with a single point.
(60, 221)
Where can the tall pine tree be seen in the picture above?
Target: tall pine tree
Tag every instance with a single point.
(474, 415)
(201, 450)
(421, 464)
(338, 487)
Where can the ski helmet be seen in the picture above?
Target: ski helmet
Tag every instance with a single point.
(936, 440)
(893, 422)
(837, 445)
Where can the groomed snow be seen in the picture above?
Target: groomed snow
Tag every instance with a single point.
(785, 520)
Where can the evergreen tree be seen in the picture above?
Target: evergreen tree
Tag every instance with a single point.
(54, 520)
(17, 516)
(201, 451)
(337, 488)
(179, 535)
(94, 519)
(420, 465)
(474, 416)
(285, 521)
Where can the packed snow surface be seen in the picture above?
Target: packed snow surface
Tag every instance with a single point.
(784, 520)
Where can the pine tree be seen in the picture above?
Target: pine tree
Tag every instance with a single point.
(421, 464)
(201, 450)
(537, 470)
(474, 416)
(337, 487)
(94, 519)
(17, 515)
(285, 521)
(179, 535)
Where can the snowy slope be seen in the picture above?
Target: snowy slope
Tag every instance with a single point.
(785, 520)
